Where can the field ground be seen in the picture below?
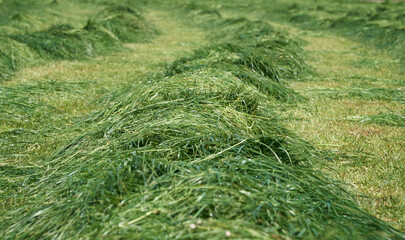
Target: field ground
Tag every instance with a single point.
(354, 111)
(373, 154)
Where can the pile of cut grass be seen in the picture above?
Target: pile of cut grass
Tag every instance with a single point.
(196, 152)
(32, 114)
(20, 16)
(126, 23)
(253, 44)
(12, 55)
(65, 42)
(331, 51)
(380, 24)
(250, 64)
(114, 25)
(29, 125)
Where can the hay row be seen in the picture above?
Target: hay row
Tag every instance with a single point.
(381, 25)
(114, 25)
(195, 152)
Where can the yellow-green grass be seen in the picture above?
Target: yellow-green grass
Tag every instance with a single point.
(84, 83)
(370, 157)
(35, 15)
(322, 120)
(199, 140)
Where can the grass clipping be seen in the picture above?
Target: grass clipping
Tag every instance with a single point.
(193, 153)
(381, 24)
(114, 25)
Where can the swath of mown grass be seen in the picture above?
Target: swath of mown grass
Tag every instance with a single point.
(113, 25)
(12, 56)
(365, 94)
(380, 24)
(33, 114)
(377, 168)
(194, 152)
(19, 18)
(382, 118)
(28, 126)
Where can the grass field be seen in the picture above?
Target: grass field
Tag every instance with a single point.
(202, 119)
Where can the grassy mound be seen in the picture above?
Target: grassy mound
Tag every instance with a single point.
(196, 152)
(12, 55)
(380, 24)
(65, 42)
(97, 37)
(126, 23)
(254, 45)
(29, 121)
(18, 16)
(114, 25)
(253, 65)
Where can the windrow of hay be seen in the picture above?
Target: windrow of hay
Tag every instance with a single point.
(30, 123)
(114, 25)
(195, 152)
(245, 44)
(380, 24)
(12, 55)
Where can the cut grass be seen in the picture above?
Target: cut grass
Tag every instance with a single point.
(360, 93)
(65, 42)
(198, 153)
(194, 151)
(61, 93)
(37, 107)
(29, 16)
(375, 167)
(114, 25)
(344, 63)
(12, 56)
(382, 118)
(380, 25)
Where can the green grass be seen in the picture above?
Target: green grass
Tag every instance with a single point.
(12, 56)
(348, 60)
(362, 93)
(341, 97)
(159, 141)
(382, 118)
(105, 32)
(36, 15)
(377, 24)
